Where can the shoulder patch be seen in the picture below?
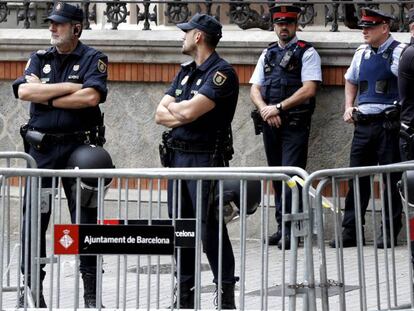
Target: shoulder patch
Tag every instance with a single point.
(219, 78)
(102, 66)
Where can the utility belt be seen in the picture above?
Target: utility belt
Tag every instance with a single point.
(39, 140)
(223, 147)
(184, 146)
(390, 117)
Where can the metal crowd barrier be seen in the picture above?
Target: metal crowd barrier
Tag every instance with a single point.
(10, 252)
(362, 277)
(268, 276)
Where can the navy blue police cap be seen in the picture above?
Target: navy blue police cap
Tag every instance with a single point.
(64, 13)
(371, 17)
(203, 22)
(285, 13)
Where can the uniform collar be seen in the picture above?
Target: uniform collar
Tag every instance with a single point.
(290, 43)
(208, 62)
(204, 66)
(78, 51)
(385, 45)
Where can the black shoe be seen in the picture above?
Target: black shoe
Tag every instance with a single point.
(287, 242)
(186, 297)
(227, 297)
(349, 238)
(89, 290)
(274, 238)
(42, 302)
(380, 240)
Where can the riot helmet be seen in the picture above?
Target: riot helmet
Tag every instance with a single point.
(90, 157)
(232, 199)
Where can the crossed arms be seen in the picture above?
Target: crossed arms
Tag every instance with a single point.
(66, 95)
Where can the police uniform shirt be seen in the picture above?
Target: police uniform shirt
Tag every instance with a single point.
(311, 66)
(352, 74)
(215, 79)
(84, 65)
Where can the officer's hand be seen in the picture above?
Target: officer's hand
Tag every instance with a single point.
(32, 78)
(268, 111)
(275, 121)
(348, 114)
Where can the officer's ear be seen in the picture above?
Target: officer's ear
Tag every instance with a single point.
(77, 30)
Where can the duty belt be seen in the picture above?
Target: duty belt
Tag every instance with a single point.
(181, 145)
(367, 118)
(67, 138)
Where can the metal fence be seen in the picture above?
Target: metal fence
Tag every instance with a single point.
(145, 281)
(245, 14)
(362, 277)
(315, 277)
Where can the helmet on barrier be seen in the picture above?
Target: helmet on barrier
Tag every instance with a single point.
(409, 178)
(232, 199)
(90, 157)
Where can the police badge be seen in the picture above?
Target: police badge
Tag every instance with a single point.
(47, 68)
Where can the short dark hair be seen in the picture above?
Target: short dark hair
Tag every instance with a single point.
(211, 40)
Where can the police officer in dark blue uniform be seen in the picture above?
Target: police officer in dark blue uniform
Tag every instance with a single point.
(65, 85)
(406, 92)
(284, 84)
(199, 107)
(373, 72)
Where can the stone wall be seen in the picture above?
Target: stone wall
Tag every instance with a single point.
(133, 136)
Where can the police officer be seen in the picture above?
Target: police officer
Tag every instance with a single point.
(406, 91)
(373, 72)
(199, 107)
(284, 84)
(65, 85)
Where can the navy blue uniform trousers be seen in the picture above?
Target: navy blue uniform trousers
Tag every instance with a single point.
(55, 156)
(210, 225)
(286, 146)
(373, 145)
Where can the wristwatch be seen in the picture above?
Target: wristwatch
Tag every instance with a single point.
(279, 107)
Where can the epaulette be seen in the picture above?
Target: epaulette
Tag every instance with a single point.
(272, 44)
(187, 63)
(41, 52)
(303, 44)
(362, 47)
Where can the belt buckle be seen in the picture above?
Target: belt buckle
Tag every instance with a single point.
(87, 140)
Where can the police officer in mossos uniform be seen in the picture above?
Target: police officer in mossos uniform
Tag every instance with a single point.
(371, 79)
(284, 84)
(199, 107)
(65, 85)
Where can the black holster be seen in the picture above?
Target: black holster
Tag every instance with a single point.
(392, 118)
(23, 132)
(407, 135)
(165, 149)
(35, 139)
(257, 121)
